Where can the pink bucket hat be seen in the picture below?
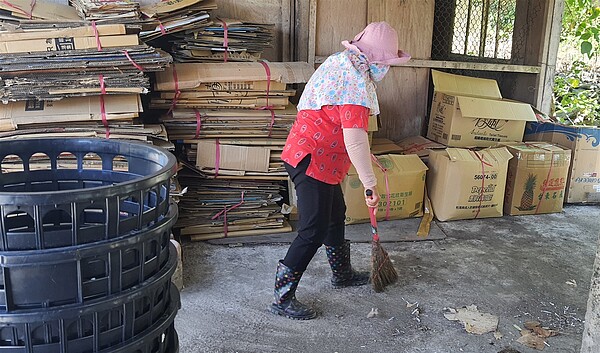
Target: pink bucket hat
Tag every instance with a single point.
(379, 42)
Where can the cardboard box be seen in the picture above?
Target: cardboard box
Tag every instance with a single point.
(381, 145)
(470, 112)
(583, 182)
(406, 183)
(84, 31)
(72, 109)
(418, 145)
(67, 43)
(193, 75)
(40, 10)
(537, 176)
(467, 184)
(232, 157)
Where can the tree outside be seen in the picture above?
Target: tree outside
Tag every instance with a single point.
(577, 81)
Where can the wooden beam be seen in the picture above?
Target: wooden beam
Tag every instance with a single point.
(591, 331)
(287, 30)
(312, 28)
(548, 60)
(437, 64)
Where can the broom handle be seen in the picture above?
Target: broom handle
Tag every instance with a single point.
(374, 232)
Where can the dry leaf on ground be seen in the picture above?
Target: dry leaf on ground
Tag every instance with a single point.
(474, 321)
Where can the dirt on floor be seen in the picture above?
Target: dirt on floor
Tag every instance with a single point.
(520, 269)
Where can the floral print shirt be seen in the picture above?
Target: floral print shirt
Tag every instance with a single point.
(344, 78)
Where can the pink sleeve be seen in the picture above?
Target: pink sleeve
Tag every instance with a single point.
(357, 145)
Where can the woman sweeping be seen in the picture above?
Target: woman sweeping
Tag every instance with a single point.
(330, 134)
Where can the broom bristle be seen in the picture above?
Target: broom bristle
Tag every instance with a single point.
(383, 272)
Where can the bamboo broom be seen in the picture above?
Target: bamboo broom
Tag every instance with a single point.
(383, 272)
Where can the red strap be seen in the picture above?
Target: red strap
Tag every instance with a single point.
(18, 8)
(224, 213)
(97, 35)
(137, 66)
(225, 40)
(177, 91)
(264, 63)
(163, 30)
(217, 157)
(102, 105)
(544, 185)
(387, 186)
(483, 164)
(198, 123)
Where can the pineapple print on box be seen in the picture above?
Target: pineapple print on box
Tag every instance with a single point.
(537, 177)
(527, 197)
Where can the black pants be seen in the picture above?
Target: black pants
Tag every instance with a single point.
(322, 213)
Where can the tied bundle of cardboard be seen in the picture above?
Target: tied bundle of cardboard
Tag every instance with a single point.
(227, 208)
(174, 16)
(75, 78)
(108, 10)
(224, 40)
(236, 114)
(233, 119)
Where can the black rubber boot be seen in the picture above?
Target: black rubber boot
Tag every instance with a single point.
(286, 304)
(343, 274)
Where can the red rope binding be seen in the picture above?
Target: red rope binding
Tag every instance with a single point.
(136, 65)
(198, 123)
(264, 63)
(177, 91)
(483, 164)
(103, 106)
(97, 35)
(225, 41)
(387, 186)
(224, 213)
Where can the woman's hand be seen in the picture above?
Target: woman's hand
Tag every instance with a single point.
(373, 199)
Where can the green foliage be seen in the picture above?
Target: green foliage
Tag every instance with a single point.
(575, 100)
(576, 90)
(581, 20)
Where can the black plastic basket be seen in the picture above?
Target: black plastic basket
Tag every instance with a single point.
(79, 274)
(63, 192)
(142, 316)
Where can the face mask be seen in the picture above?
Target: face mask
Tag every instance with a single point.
(378, 71)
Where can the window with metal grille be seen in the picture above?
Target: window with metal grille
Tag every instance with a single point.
(479, 30)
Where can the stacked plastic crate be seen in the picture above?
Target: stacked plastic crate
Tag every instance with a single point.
(85, 255)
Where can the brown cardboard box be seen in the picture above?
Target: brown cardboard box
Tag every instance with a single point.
(232, 157)
(406, 183)
(470, 112)
(193, 75)
(467, 184)
(419, 145)
(536, 180)
(583, 182)
(84, 31)
(381, 145)
(72, 109)
(67, 43)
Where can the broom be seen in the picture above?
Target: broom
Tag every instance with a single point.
(383, 272)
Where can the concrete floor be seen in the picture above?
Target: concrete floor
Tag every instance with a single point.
(514, 267)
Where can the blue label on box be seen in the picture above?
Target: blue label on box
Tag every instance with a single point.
(590, 134)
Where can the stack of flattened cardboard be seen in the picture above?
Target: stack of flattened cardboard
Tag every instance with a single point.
(233, 119)
(175, 16)
(81, 79)
(225, 40)
(108, 10)
(249, 132)
(226, 208)
(14, 11)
